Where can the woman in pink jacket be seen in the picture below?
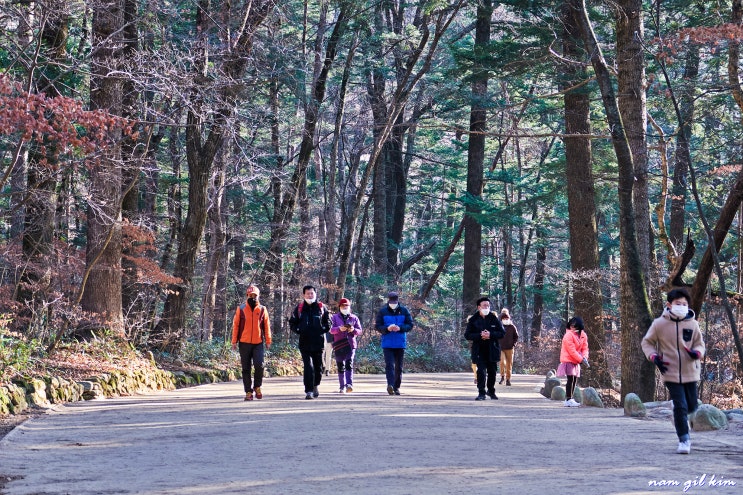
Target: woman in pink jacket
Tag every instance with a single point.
(573, 353)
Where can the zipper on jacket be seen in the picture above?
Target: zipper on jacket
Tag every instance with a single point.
(678, 350)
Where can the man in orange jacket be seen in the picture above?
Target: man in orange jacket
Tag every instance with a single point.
(250, 329)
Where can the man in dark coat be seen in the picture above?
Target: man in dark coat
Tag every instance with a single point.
(484, 329)
(311, 320)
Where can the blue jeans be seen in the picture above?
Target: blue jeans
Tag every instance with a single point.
(684, 397)
(393, 359)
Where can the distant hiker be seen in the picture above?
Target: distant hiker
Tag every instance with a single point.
(250, 330)
(484, 329)
(393, 322)
(675, 345)
(327, 354)
(573, 353)
(311, 320)
(344, 327)
(507, 344)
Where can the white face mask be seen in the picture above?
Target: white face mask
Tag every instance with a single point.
(346, 311)
(485, 311)
(393, 305)
(310, 301)
(679, 310)
(507, 321)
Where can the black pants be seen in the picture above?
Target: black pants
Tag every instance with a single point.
(684, 397)
(312, 361)
(393, 361)
(254, 353)
(486, 371)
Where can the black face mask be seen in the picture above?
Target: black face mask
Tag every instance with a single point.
(252, 302)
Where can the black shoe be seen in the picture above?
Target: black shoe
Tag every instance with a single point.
(390, 390)
(315, 393)
(501, 381)
(493, 396)
(396, 391)
(480, 397)
(508, 383)
(308, 396)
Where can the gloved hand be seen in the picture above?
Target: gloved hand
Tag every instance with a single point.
(662, 365)
(693, 354)
(585, 363)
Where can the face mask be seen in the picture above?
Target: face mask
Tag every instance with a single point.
(345, 311)
(679, 311)
(485, 311)
(506, 321)
(310, 301)
(393, 305)
(251, 302)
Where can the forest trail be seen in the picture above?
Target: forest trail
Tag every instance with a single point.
(435, 438)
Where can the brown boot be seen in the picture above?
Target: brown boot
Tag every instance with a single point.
(249, 396)
(258, 393)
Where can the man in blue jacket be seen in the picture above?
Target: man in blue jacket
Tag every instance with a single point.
(393, 322)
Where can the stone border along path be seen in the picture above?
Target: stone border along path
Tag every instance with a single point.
(433, 439)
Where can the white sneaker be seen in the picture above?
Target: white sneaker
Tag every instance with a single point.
(571, 403)
(342, 391)
(684, 447)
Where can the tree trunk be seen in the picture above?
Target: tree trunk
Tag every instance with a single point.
(584, 246)
(632, 101)
(475, 162)
(102, 292)
(539, 276)
(682, 159)
(638, 374)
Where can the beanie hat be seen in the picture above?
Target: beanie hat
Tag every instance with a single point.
(504, 312)
(344, 301)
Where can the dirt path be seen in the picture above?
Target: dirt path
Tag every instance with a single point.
(433, 439)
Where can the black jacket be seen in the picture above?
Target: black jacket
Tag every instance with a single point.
(311, 324)
(487, 349)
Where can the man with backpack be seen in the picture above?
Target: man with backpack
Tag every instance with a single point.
(250, 330)
(311, 320)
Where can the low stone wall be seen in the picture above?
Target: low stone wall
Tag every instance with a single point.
(24, 393)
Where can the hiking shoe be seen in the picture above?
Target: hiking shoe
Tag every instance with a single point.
(493, 396)
(248, 396)
(396, 391)
(390, 390)
(258, 393)
(315, 393)
(308, 396)
(684, 447)
(508, 383)
(481, 397)
(349, 389)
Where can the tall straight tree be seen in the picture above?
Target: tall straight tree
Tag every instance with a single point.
(102, 289)
(584, 246)
(632, 101)
(475, 159)
(638, 374)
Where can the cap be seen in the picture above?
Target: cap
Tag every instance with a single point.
(252, 289)
(344, 301)
(392, 297)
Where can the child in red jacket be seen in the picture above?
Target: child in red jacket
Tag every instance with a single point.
(573, 353)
